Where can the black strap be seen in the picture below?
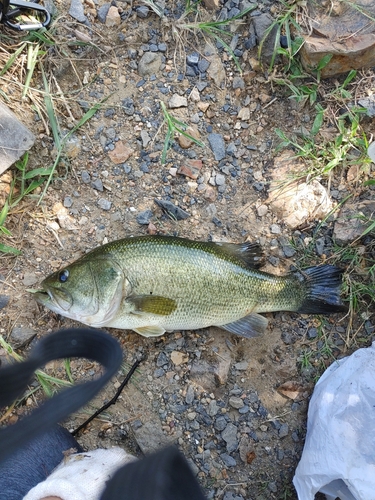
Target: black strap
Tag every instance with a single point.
(73, 342)
(164, 475)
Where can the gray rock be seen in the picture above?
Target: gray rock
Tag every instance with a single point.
(144, 217)
(172, 210)
(177, 101)
(162, 359)
(189, 398)
(241, 366)
(150, 437)
(20, 335)
(212, 408)
(284, 430)
(236, 402)
(261, 24)
(104, 204)
(220, 423)
(238, 83)
(217, 145)
(149, 64)
(85, 176)
(228, 460)
(275, 229)
(288, 251)
(103, 11)
(4, 299)
(145, 136)
(312, 333)
(142, 11)
(77, 12)
(68, 202)
(98, 185)
(220, 179)
(229, 435)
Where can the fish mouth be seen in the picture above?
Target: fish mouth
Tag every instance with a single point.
(54, 298)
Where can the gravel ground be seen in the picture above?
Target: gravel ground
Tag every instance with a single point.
(215, 395)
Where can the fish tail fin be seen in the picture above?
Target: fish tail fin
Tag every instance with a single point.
(322, 290)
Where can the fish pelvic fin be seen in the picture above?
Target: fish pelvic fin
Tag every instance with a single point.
(250, 326)
(150, 331)
(323, 285)
(153, 304)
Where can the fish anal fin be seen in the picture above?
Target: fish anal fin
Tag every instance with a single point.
(150, 331)
(152, 304)
(249, 326)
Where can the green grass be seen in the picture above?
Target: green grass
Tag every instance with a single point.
(174, 126)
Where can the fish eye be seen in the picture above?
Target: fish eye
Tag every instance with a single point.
(63, 276)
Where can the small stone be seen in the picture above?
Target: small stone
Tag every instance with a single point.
(172, 210)
(20, 335)
(121, 153)
(228, 460)
(284, 430)
(238, 83)
(217, 145)
(144, 217)
(178, 357)
(194, 95)
(77, 12)
(162, 359)
(241, 366)
(220, 423)
(104, 204)
(219, 179)
(72, 146)
(191, 168)
(312, 333)
(319, 246)
(236, 402)
(85, 176)
(262, 210)
(177, 101)
(229, 435)
(149, 64)
(68, 202)
(189, 398)
(113, 17)
(142, 11)
(275, 229)
(288, 251)
(103, 11)
(4, 299)
(244, 114)
(98, 185)
(145, 136)
(212, 408)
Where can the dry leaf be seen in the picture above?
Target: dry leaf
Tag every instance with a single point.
(292, 390)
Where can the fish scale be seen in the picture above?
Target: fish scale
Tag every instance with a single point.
(153, 284)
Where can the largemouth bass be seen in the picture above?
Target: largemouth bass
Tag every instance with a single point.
(154, 284)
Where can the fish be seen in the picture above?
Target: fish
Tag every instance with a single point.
(155, 284)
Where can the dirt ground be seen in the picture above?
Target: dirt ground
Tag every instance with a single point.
(97, 197)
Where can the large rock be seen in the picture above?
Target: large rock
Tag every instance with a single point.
(15, 138)
(352, 221)
(298, 201)
(345, 31)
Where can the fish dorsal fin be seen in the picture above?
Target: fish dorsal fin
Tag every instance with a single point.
(150, 331)
(250, 326)
(152, 304)
(250, 253)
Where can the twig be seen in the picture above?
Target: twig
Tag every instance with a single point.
(112, 401)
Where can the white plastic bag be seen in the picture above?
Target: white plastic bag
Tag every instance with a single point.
(338, 458)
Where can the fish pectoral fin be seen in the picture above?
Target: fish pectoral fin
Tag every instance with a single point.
(152, 304)
(250, 326)
(150, 331)
(250, 253)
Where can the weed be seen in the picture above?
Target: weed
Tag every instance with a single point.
(24, 183)
(46, 382)
(174, 126)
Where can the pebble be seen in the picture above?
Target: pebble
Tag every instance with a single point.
(312, 333)
(113, 17)
(217, 145)
(262, 210)
(98, 185)
(284, 430)
(189, 398)
(85, 176)
(220, 423)
(173, 210)
(229, 435)
(77, 12)
(219, 179)
(68, 202)
(142, 11)
(236, 402)
(228, 460)
(162, 359)
(20, 335)
(149, 64)
(288, 251)
(104, 204)
(275, 229)
(319, 246)
(241, 366)
(144, 217)
(238, 83)
(4, 299)
(177, 101)
(103, 11)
